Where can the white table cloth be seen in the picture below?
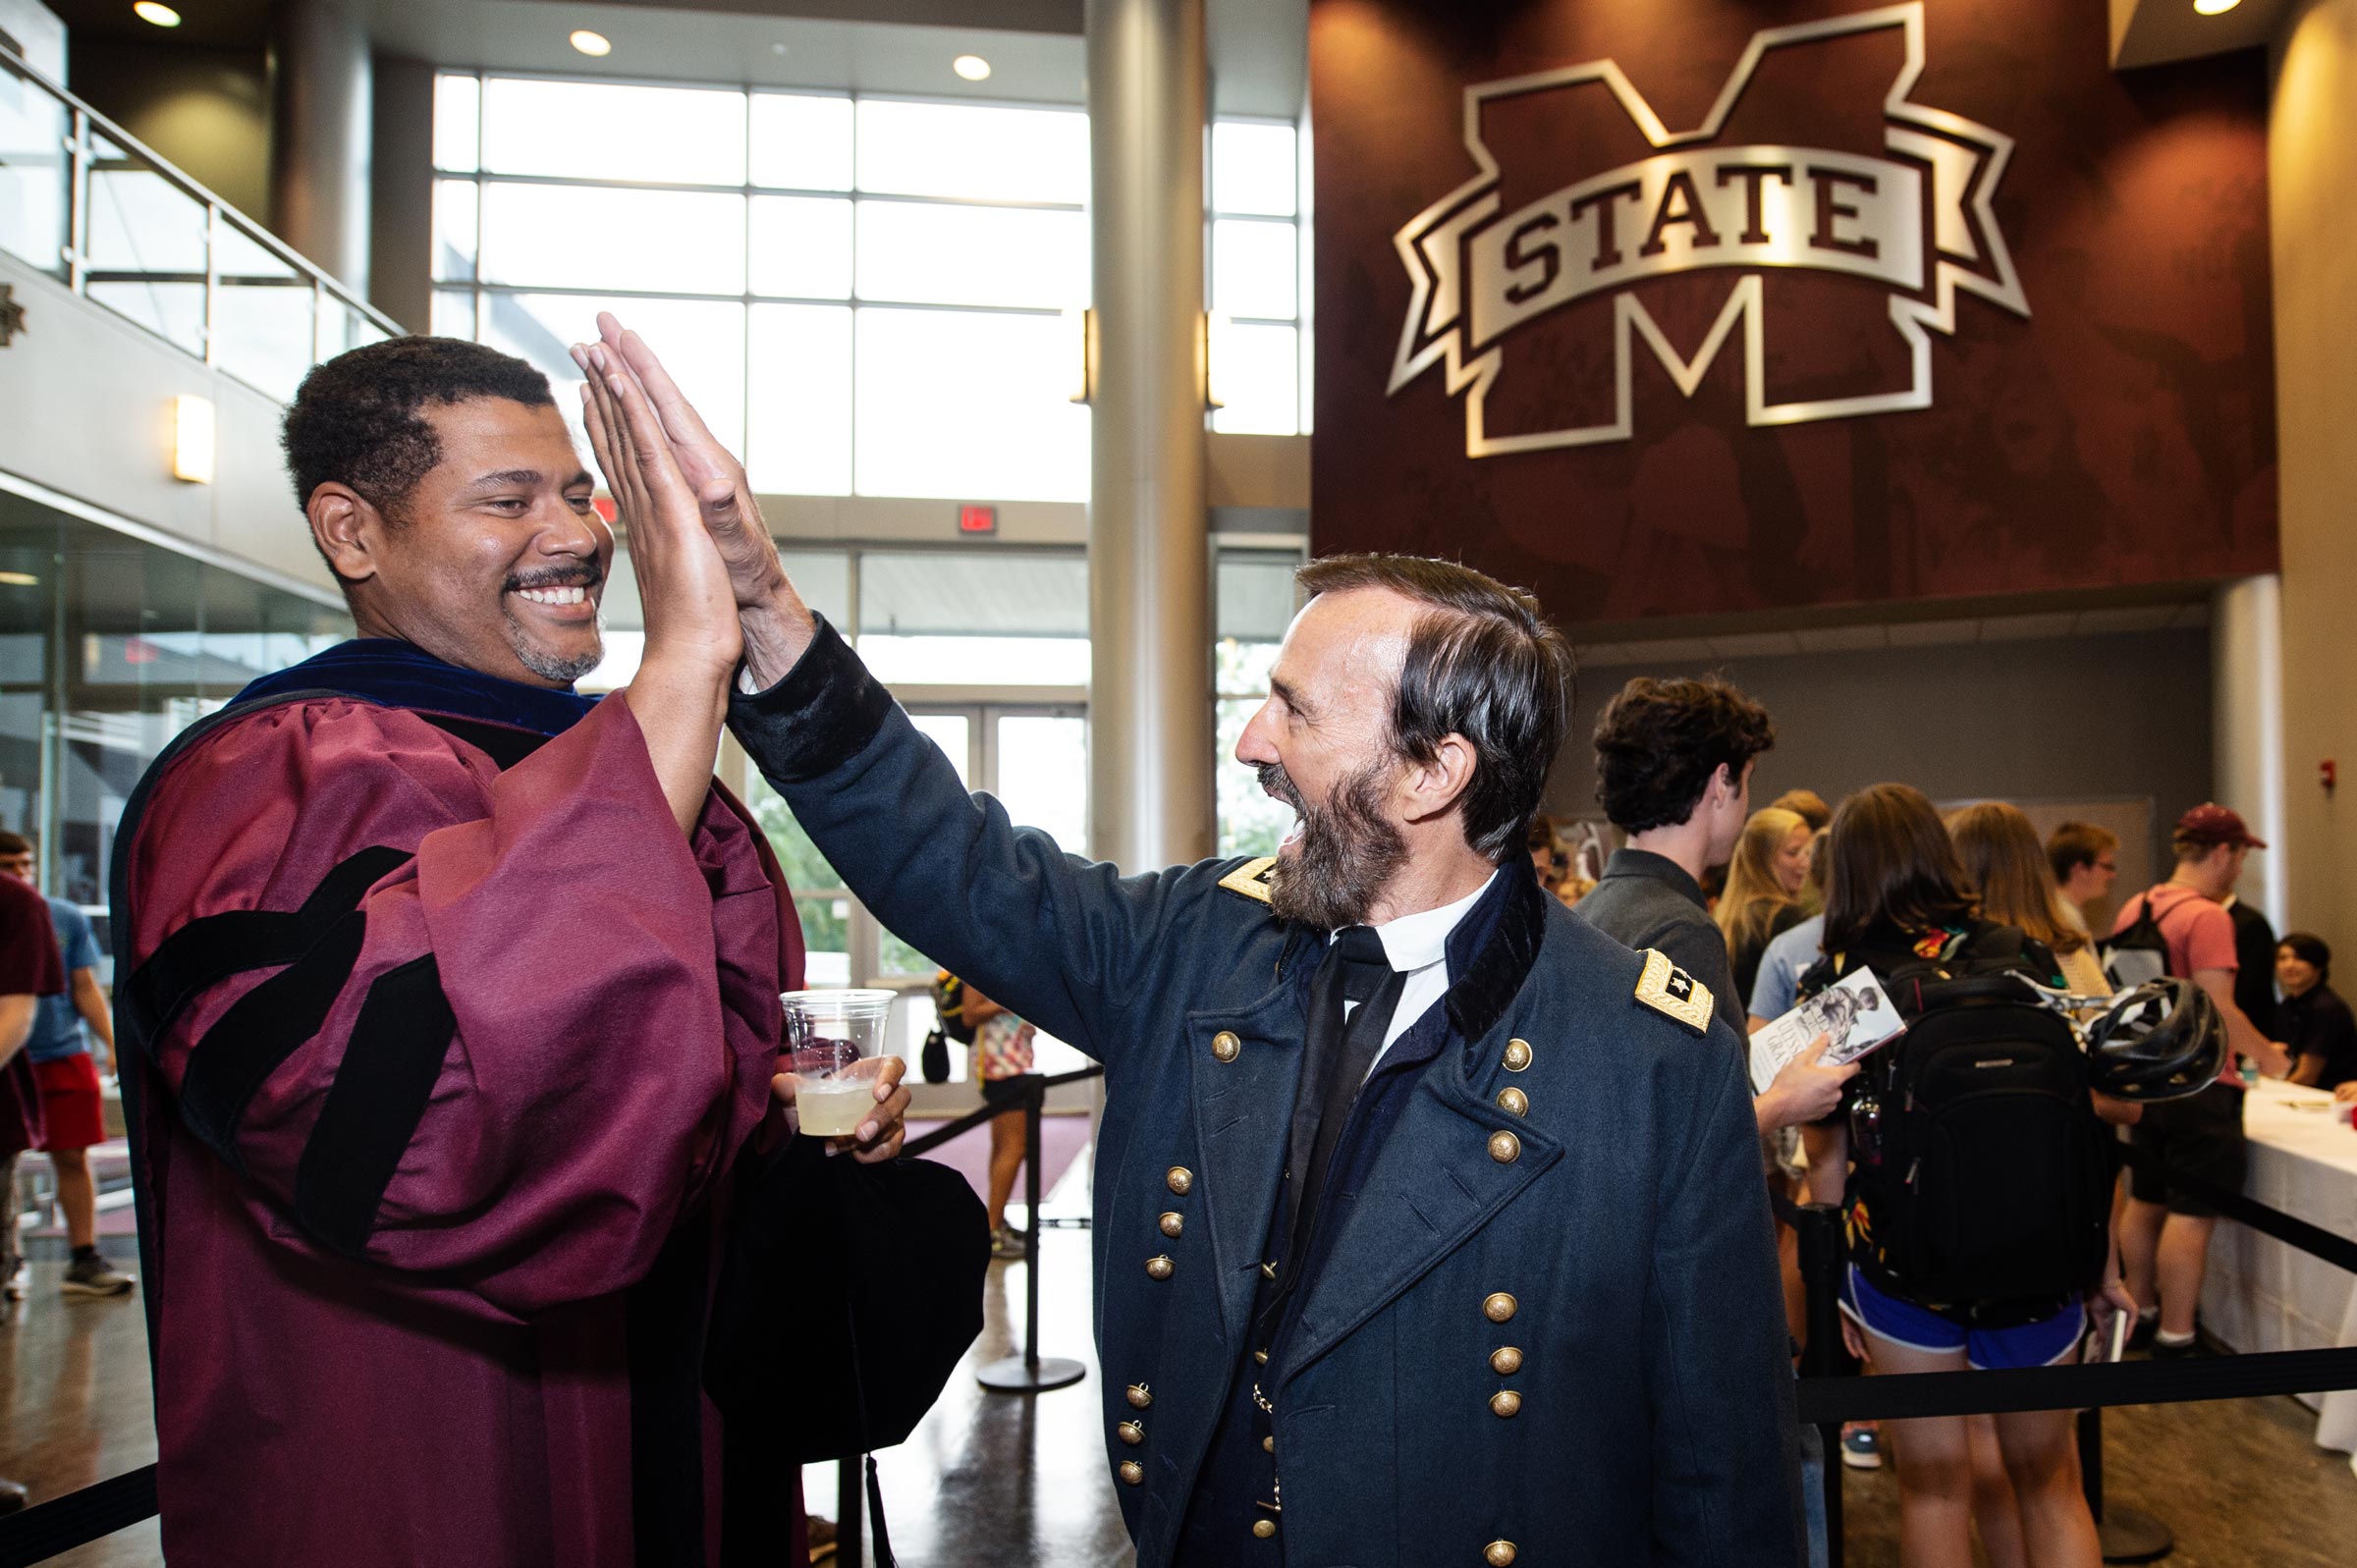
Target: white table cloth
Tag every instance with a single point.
(2261, 1295)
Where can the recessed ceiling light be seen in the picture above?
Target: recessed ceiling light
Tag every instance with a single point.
(777, 49)
(2214, 8)
(972, 67)
(591, 43)
(162, 16)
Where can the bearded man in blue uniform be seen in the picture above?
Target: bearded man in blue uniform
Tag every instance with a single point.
(1429, 1223)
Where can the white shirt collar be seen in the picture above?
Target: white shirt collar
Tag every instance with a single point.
(1419, 940)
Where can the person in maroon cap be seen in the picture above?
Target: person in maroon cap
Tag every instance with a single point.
(2165, 1240)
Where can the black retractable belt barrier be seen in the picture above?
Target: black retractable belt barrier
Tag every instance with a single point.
(1827, 1401)
(47, 1530)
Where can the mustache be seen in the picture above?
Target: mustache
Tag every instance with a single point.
(582, 576)
(1279, 785)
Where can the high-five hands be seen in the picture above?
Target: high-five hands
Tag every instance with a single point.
(680, 694)
(777, 625)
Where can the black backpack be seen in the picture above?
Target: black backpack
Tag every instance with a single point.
(1980, 1177)
(2138, 954)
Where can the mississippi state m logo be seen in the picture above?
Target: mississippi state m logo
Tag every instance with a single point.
(1917, 221)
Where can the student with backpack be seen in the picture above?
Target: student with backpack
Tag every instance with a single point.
(2183, 928)
(1972, 1171)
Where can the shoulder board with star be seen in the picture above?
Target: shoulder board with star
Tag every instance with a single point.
(1670, 990)
(1252, 879)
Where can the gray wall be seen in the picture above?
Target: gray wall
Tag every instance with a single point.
(2082, 718)
(206, 110)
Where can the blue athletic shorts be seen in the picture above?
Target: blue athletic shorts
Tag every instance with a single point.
(2044, 1343)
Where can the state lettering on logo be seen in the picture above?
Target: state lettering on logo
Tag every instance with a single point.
(1918, 222)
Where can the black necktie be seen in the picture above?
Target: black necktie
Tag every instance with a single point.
(1338, 1054)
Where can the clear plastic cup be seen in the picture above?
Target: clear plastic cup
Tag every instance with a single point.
(835, 1051)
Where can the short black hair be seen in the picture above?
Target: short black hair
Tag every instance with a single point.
(1658, 743)
(1482, 663)
(2309, 949)
(356, 419)
(13, 845)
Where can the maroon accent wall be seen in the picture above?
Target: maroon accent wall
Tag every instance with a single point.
(2122, 434)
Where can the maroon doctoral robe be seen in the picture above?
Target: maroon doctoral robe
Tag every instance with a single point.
(432, 1193)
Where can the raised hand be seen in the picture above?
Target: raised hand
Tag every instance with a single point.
(692, 637)
(777, 625)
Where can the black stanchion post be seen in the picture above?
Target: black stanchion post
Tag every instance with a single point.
(1031, 1372)
(1820, 1233)
(2126, 1534)
(851, 1512)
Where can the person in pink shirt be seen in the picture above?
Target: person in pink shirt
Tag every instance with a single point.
(2165, 1238)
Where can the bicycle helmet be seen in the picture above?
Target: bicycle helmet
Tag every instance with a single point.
(2163, 1040)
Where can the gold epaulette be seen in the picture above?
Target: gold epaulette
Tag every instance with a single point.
(1252, 879)
(1666, 989)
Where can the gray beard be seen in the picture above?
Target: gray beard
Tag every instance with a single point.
(1349, 853)
(549, 667)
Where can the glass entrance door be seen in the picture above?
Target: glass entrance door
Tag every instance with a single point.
(1033, 756)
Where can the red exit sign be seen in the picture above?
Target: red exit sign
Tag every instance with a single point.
(977, 520)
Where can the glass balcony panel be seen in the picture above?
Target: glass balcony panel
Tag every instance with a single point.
(173, 311)
(33, 174)
(140, 221)
(269, 333)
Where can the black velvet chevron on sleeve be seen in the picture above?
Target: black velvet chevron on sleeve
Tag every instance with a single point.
(825, 709)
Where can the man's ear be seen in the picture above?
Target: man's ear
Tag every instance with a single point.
(1432, 787)
(347, 528)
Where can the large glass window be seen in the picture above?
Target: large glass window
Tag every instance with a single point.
(1259, 279)
(1256, 602)
(864, 295)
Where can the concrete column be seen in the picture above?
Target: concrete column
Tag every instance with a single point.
(2246, 727)
(1150, 687)
(319, 131)
(2311, 166)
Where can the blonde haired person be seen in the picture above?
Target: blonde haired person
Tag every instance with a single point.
(2010, 867)
(1764, 882)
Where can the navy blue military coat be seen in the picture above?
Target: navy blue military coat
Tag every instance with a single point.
(1575, 1180)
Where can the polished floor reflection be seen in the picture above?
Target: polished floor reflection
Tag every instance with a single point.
(992, 1481)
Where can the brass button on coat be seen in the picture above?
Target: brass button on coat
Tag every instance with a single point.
(1505, 1404)
(1226, 1046)
(1260, 1358)
(1159, 1268)
(1264, 1528)
(1517, 1055)
(1513, 1101)
(1181, 1180)
(1173, 1224)
(1499, 1308)
(1131, 1433)
(1132, 1472)
(1268, 1270)
(1498, 1554)
(1504, 1148)
(1268, 1445)
(1505, 1361)
(1139, 1399)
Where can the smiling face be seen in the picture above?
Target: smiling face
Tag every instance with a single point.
(2296, 974)
(1323, 745)
(495, 559)
(1792, 860)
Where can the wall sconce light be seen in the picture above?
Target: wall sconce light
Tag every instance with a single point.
(1204, 330)
(192, 439)
(1085, 321)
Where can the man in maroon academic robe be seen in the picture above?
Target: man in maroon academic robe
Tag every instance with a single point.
(451, 998)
